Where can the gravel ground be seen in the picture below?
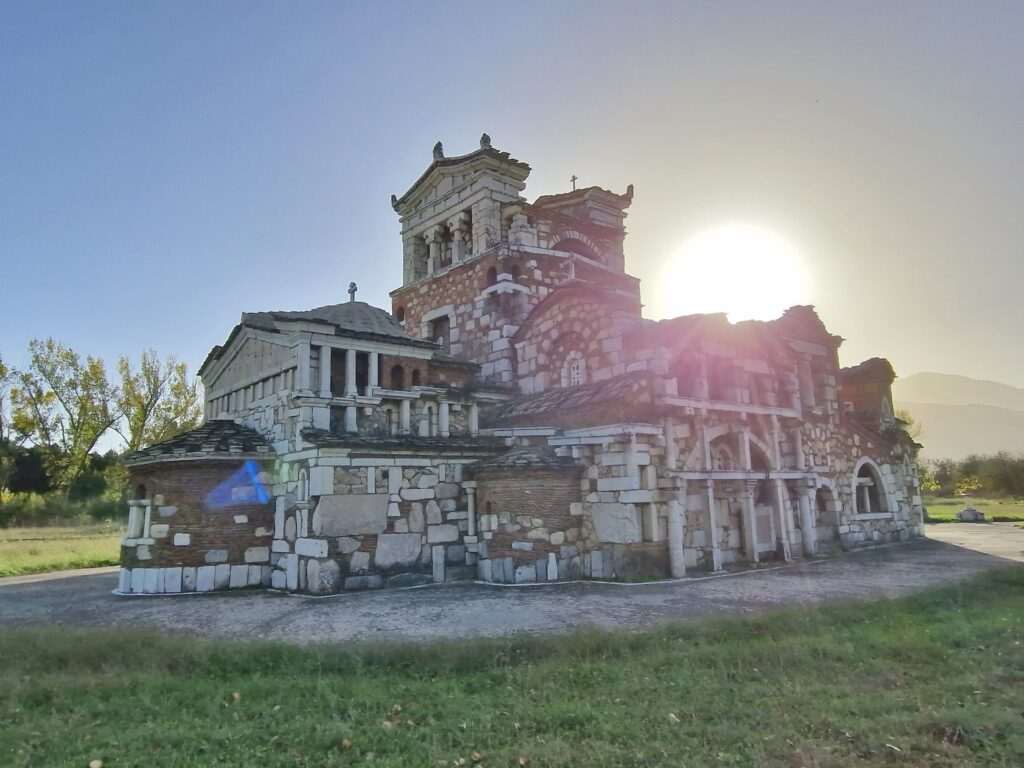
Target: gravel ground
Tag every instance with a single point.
(85, 599)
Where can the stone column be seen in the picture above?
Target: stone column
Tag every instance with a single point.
(474, 419)
(865, 497)
(470, 507)
(676, 517)
(403, 417)
(350, 374)
(783, 514)
(712, 533)
(302, 384)
(374, 370)
(442, 418)
(434, 249)
(325, 371)
(805, 498)
(750, 521)
(457, 225)
(147, 507)
(351, 421)
(671, 446)
(806, 378)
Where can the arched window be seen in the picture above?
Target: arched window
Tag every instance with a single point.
(723, 458)
(416, 377)
(573, 245)
(574, 370)
(870, 493)
(400, 314)
(492, 276)
(140, 492)
(440, 332)
(302, 492)
(515, 272)
(431, 420)
(397, 377)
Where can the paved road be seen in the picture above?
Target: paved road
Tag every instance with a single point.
(954, 551)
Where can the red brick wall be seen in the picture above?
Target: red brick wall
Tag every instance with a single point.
(185, 485)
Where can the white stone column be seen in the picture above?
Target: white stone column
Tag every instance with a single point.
(442, 418)
(671, 446)
(350, 374)
(374, 369)
(474, 419)
(470, 487)
(434, 249)
(325, 371)
(351, 422)
(302, 369)
(865, 497)
(712, 533)
(676, 513)
(750, 521)
(783, 513)
(147, 507)
(403, 416)
(808, 532)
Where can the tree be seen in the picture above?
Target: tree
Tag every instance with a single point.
(911, 424)
(157, 402)
(63, 403)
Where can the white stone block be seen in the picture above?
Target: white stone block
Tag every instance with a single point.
(352, 514)
(292, 571)
(173, 579)
(618, 483)
(311, 547)
(221, 576)
(257, 554)
(279, 545)
(124, 581)
(150, 584)
(438, 534)
(262, 531)
(188, 579)
(138, 580)
(437, 563)
(240, 519)
(158, 530)
(616, 523)
(636, 497)
(360, 561)
(182, 539)
(239, 576)
(417, 494)
(278, 580)
(552, 567)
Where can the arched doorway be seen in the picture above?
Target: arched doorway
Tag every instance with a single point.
(826, 515)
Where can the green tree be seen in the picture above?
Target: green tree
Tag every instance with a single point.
(910, 424)
(64, 403)
(156, 402)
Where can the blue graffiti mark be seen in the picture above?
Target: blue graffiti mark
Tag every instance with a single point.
(243, 487)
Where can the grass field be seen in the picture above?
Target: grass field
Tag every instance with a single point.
(936, 680)
(37, 550)
(943, 510)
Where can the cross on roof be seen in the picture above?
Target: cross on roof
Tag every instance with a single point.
(352, 288)
(574, 180)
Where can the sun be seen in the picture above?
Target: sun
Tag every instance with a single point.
(747, 271)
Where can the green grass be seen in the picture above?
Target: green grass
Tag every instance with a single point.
(37, 550)
(936, 680)
(943, 509)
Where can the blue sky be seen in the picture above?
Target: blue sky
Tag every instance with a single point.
(167, 166)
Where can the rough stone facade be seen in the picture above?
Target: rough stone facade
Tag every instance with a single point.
(515, 419)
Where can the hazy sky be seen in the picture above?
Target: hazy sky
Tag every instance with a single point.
(167, 166)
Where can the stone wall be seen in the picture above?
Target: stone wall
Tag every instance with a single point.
(195, 542)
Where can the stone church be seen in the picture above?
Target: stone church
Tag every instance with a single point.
(514, 418)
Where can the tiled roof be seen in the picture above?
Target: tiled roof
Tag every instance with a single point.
(217, 438)
(620, 389)
(526, 458)
(350, 317)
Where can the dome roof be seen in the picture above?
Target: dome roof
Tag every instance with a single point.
(352, 318)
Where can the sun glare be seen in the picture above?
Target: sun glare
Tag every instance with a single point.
(749, 272)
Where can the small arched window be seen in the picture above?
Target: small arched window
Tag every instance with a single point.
(492, 276)
(140, 491)
(302, 492)
(397, 377)
(416, 377)
(723, 458)
(400, 314)
(574, 371)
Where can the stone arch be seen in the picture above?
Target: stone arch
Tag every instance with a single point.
(302, 489)
(397, 377)
(827, 511)
(573, 241)
(574, 369)
(877, 499)
(400, 314)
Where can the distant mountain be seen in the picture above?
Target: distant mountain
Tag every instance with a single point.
(960, 416)
(946, 389)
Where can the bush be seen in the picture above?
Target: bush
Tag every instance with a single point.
(35, 510)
